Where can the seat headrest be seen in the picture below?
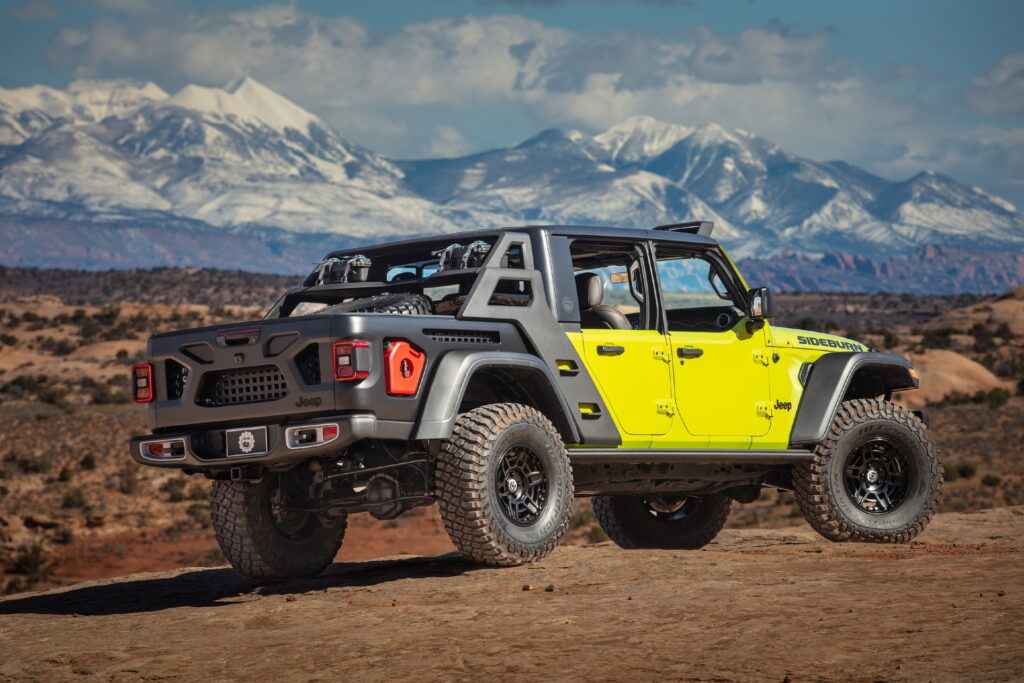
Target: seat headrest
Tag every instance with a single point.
(589, 290)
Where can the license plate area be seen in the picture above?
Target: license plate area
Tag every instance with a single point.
(245, 441)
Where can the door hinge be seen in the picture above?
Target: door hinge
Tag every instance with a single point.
(764, 409)
(662, 353)
(668, 407)
(761, 356)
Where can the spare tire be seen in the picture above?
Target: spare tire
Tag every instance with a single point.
(402, 303)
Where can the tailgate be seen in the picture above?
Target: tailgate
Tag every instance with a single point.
(244, 373)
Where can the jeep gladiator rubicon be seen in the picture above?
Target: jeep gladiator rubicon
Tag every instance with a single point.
(501, 372)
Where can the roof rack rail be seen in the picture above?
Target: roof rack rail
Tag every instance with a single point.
(693, 227)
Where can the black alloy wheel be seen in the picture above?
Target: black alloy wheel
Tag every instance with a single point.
(876, 476)
(521, 484)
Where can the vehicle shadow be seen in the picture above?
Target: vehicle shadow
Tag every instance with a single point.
(218, 587)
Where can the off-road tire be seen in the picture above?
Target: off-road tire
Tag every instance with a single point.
(254, 545)
(401, 303)
(468, 499)
(630, 524)
(820, 488)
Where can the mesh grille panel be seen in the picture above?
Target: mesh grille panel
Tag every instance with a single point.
(251, 385)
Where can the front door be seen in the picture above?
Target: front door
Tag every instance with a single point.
(720, 363)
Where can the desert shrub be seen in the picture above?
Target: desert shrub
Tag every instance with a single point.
(175, 489)
(889, 338)
(997, 398)
(88, 462)
(122, 355)
(90, 329)
(103, 395)
(1004, 331)
(807, 323)
(107, 315)
(938, 339)
(201, 514)
(58, 347)
(8, 339)
(31, 562)
(64, 535)
(596, 534)
(27, 464)
(958, 470)
(197, 492)
(4, 491)
(128, 479)
(984, 340)
(994, 398)
(56, 396)
(65, 474)
(991, 480)
(74, 498)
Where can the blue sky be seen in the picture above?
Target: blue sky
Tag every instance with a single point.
(896, 87)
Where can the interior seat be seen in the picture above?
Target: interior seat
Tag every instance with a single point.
(593, 313)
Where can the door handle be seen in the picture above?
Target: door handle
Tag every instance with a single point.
(610, 350)
(689, 352)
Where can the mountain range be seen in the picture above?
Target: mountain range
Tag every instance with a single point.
(122, 174)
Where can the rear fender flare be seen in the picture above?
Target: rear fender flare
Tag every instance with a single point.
(456, 370)
(837, 376)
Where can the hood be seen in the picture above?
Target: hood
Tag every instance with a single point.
(804, 339)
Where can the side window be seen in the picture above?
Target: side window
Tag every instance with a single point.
(694, 294)
(610, 286)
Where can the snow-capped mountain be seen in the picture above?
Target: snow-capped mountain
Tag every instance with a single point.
(762, 198)
(244, 162)
(241, 157)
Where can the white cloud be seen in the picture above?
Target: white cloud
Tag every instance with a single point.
(988, 156)
(412, 91)
(448, 142)
(1000, 91)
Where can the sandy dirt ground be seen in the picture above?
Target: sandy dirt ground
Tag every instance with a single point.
(775, 605)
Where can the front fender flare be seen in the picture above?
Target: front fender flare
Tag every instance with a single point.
(454, 372)
(829, 381)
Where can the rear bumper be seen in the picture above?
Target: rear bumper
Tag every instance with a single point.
(204, 449)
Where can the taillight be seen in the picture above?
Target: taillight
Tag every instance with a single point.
(351, 360)
(403, 367)
(142, 383)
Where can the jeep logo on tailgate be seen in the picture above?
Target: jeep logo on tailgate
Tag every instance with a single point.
(303, 402)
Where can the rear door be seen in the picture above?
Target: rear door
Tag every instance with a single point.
(628, 365)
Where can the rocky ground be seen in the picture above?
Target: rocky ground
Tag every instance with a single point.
(755, 605)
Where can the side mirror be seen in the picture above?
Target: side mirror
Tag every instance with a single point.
(759, 304)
